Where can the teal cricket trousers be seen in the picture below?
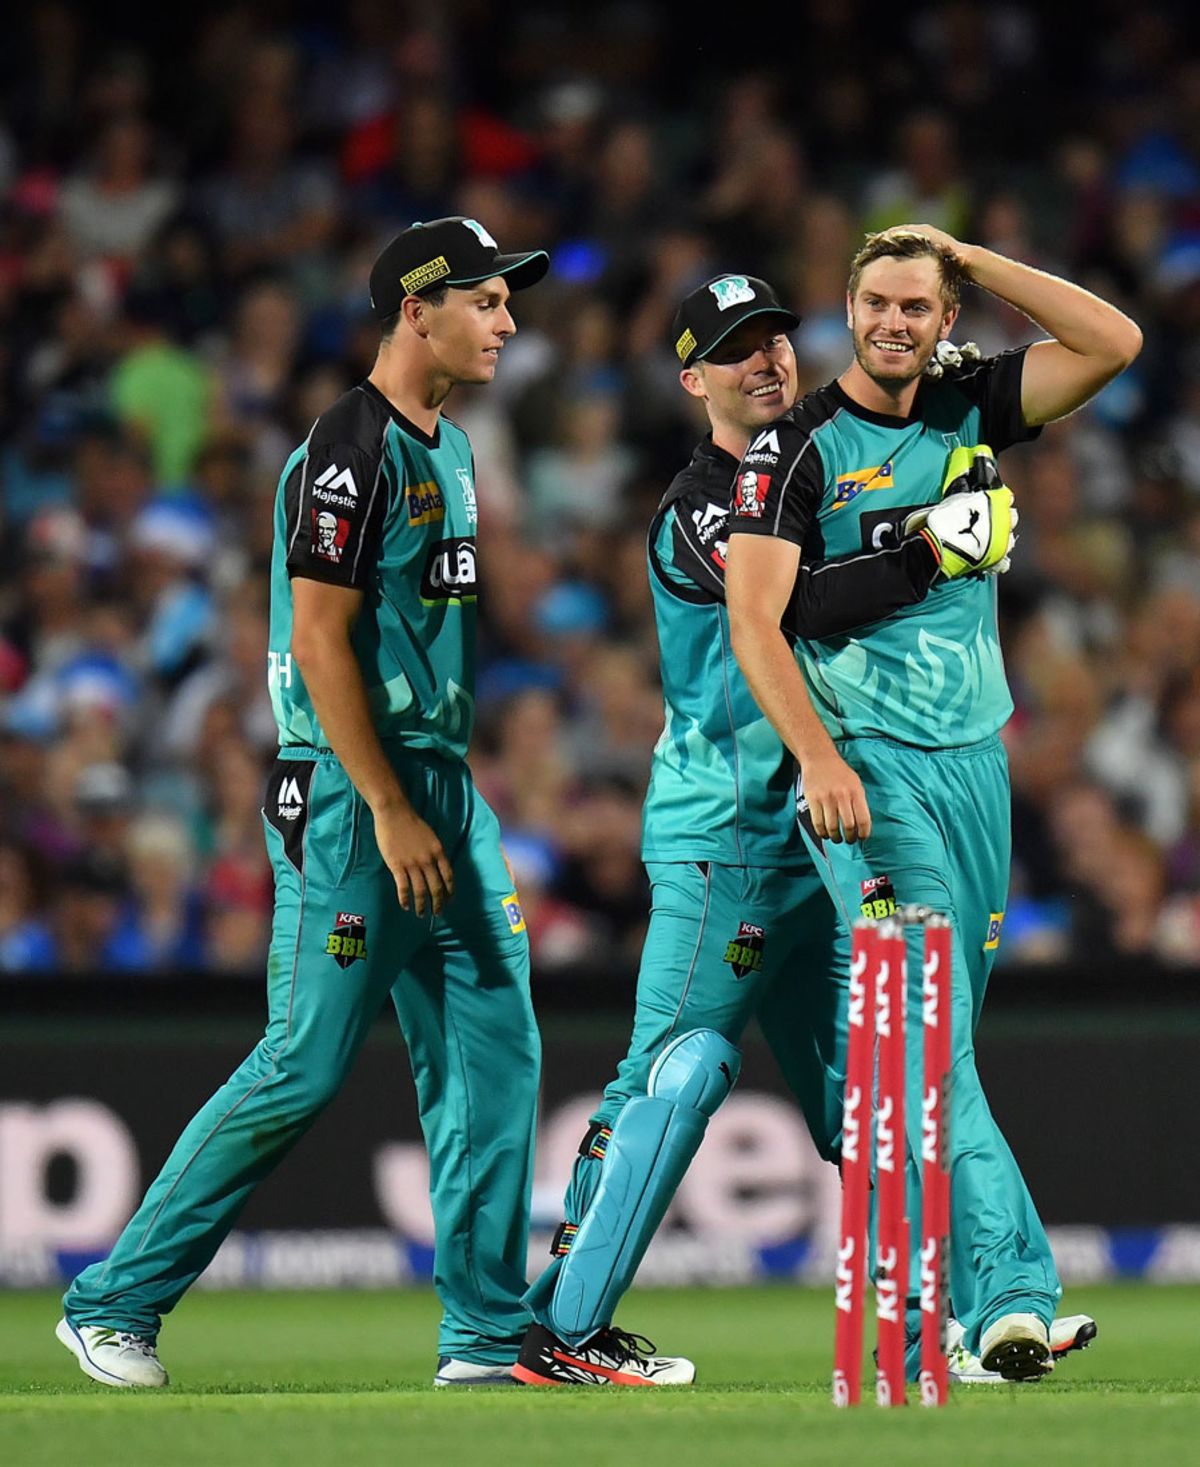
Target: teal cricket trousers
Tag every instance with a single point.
(940, 837)
(726, 943)
(340, 944)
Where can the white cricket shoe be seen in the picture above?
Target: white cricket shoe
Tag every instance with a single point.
(1074, 1332)
(452, 1372)
(1017, 1346)
(113, 1357)
(610, 1357)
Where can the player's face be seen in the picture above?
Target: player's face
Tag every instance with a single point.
(751, 377)
(467, 334)
(897, 317)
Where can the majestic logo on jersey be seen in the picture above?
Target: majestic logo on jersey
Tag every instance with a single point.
(512, 910)
(291, 801)
(468, 493)
(484, 237)
(732, 290)
(425, 503)
(850, 486)
(337, 482)
(347, 943)
(995, 922)
(764, 449)
(878, 897)
(450, 573)
(744, 953)
(750, 495)
(329, 535)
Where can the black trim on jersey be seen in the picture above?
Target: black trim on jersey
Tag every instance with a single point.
(881, 420)
(286, 805)
(430, 440)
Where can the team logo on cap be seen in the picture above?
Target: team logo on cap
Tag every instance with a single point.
(484, 237)
(424, 275)
(733, 290)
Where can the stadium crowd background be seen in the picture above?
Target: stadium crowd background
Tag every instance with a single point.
(187, 219)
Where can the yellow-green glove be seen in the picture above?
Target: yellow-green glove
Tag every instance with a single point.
(970, 532)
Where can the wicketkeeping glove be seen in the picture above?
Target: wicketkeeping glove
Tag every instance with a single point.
(971, 532)
(946, 354)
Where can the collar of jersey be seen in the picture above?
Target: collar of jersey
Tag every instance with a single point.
(706, 448)
(882, 420)
(430, 440)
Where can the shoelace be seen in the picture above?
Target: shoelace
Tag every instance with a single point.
(135, 1342)
(629, 1346)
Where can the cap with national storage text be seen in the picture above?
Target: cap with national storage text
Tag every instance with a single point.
(707, 316)
(453, 251)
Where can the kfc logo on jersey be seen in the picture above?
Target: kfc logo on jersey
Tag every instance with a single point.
(751, 495)
(329, 535)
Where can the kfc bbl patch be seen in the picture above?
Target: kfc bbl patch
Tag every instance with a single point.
(745, 953)
(878, 897)
(348, 940)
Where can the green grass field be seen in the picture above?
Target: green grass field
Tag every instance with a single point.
(344, 1379)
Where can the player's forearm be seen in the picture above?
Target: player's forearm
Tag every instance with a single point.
(339, 698)
(774, 677)
(1074, 317)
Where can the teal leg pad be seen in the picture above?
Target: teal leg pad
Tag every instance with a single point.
(652, 1144)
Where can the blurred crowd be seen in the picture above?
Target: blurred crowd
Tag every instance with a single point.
(187, 220)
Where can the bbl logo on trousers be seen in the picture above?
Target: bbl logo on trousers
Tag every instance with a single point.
(348, 940)
(745, 953)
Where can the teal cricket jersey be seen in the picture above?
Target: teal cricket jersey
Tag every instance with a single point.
(372, 502)
(840, 480)
(720, 780)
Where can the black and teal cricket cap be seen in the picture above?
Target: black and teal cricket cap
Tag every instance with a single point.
(453, 251)
(707, 316)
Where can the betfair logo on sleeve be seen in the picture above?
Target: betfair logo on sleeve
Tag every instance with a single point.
(850, 486)
(995, 922)
(512, 910)
(425, 503)
(423, 275)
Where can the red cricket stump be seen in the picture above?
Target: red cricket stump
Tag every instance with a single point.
(891, 1257)
(856, 1164)
(935, 1175)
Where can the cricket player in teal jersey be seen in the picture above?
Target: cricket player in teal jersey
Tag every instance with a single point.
(913, 703)
(388, 869)
(741, 923)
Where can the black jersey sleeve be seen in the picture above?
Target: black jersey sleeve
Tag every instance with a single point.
(335, 500)
(994, 386)
(833, 597)
(778, 486)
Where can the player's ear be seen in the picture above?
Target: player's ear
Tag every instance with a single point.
(948, 321)
(692, 382)
(849, 312)
(412, 308)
